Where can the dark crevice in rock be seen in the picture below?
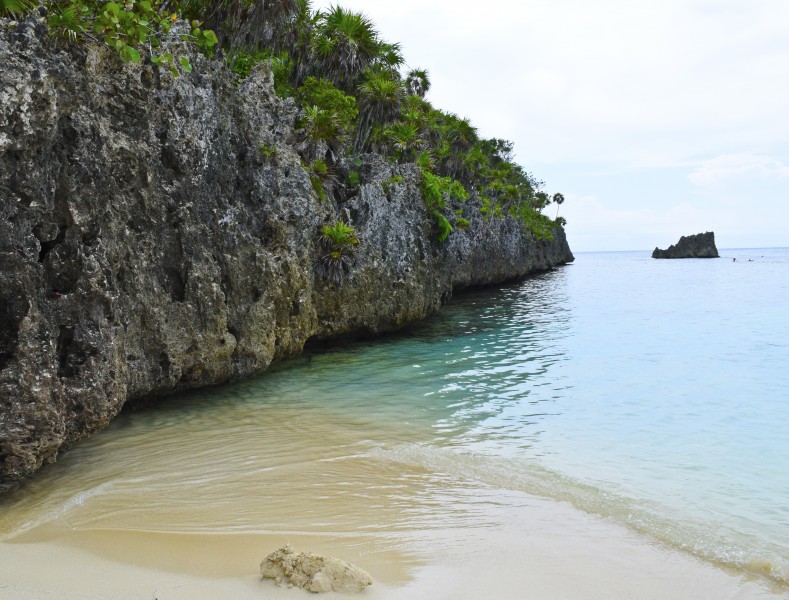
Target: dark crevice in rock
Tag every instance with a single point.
(169, 158)
(225, 286)
(47, 246)
(64, 346)
(175, 284)
(164, 365)
(175, 273)
(63, 267)
(13, 309)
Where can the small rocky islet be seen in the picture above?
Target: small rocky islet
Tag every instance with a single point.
(700, 245)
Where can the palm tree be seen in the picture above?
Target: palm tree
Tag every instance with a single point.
(345, 44)
(559, 200)
(404, 139)
(380, 99)
(417, 82)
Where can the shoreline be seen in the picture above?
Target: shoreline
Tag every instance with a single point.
(529, 547)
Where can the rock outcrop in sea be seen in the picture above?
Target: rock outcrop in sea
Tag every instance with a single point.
(701, 245)
(159, 234)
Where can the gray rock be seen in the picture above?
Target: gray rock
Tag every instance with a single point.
(701, 245)
(313, 572)
(149, 245)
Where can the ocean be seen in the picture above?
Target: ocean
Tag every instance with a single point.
(653, 393)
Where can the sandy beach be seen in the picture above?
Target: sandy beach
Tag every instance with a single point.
(528, 548)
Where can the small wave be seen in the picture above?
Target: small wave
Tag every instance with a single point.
(728, 549)
(53, 514)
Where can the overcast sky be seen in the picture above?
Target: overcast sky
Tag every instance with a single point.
(655, 118)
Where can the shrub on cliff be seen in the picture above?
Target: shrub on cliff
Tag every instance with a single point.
(329, 116)
(338, 246)
(131, 29)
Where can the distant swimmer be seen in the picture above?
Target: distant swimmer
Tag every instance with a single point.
(733, 260)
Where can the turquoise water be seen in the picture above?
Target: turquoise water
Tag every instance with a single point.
(652, 392)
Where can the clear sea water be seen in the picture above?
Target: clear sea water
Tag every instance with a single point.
(652, 392)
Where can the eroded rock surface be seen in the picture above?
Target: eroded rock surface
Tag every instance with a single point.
(159, 234)
(701, 245)
(313, 572)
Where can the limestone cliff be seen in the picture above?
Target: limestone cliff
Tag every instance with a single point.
(148, 245)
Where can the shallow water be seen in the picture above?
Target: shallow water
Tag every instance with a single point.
(650, 392)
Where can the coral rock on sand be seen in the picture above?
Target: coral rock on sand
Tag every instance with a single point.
(313, 572)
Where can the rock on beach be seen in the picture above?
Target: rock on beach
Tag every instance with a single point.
(313, 572)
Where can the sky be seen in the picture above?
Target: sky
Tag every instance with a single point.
(654, 118)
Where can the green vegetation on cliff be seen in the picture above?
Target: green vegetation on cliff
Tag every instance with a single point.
(353, 97)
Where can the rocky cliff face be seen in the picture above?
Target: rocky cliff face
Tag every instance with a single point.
(148, 245)
(701, 245)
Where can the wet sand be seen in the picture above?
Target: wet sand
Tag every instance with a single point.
(522, 547)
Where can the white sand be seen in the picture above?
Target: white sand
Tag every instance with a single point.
(529, 548)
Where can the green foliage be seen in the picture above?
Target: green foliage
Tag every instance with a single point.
(345, 44)
(268, 151)
(424, 160)
(462, 223)
(437, 191)
(14, 8)
(354, 179)
(243, 63)
(319, 172)
(417, 82)
(127, 28)
(433, 188)
(559, 200)
(403, 139)
(380, 98)
(329, 115)
(538, 225)
(340, 234)
(444, 226)
(328, 98)
(322, 178)
(389, 182)
(338, 247)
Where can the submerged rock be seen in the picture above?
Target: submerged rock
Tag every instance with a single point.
(701, 245)
(313, 572)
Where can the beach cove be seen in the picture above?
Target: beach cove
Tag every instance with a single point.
(508, 448)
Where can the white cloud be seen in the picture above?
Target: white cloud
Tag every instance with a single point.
(726, 167)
